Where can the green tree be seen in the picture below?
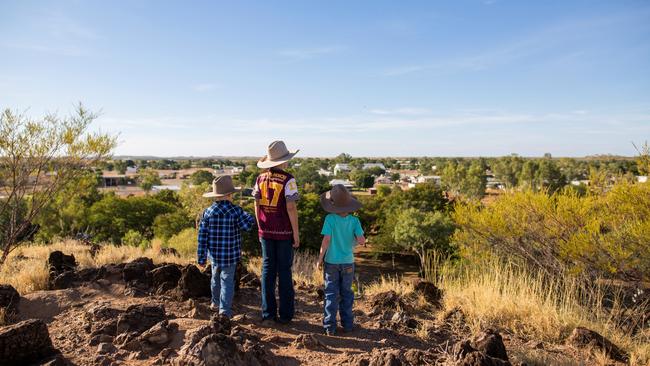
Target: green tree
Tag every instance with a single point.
(120, 166)
(201, 176)
(311, 217)
(507, 168)
(167, 225)
(148, 178)
(419, 232)
(193, 202)
(362, 179)
(38, 159)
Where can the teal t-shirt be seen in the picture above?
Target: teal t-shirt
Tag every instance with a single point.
(343, 231)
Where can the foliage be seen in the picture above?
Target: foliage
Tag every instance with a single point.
(201, 176)
(169, 224)
(185, 243)
(38, 158)
(595, 235)
(466, 180)
(147, 178)
(308, 178)
(362, 179)
(420, 232)
(311, 217)
(135, 239)
(643, 160)
(111, 217)
(192, 200)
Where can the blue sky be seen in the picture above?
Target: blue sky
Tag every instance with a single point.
(370, 78)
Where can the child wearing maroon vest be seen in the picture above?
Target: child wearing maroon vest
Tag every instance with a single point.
(276, 194)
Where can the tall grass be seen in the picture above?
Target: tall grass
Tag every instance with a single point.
(304, 268)
(26, 268)
(502, 294)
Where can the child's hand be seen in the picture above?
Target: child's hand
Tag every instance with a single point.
(319, 264)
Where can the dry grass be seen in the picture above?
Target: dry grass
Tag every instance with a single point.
(27, 271)
(304, 268)
(533, 305)
(384, 284)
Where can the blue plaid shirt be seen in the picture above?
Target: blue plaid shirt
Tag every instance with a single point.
(219, 233)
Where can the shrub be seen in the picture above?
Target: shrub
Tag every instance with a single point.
(133, 238)
(596, 235)
(184, 242)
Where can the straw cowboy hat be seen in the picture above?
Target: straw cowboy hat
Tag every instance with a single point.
(221, 187)
(277, 154)
(339, 200)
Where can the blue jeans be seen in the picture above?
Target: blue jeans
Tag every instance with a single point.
(223, 287)
(277, 259)
(338, 295)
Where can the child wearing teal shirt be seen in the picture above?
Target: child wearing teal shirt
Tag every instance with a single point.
(341, 233)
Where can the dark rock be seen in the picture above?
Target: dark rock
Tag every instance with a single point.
(427, 289)
(147, 262)
(94, 249)
(392, 357)
(139, 318)
(308, 341)
(63, 280)
(167, 275)
(101, 319)
(383, 301)
(212, 349)
(193, 284)
(168, 251)
(586, 338)
(481, 359)
(135, 271)
(462, 349)
(90, 274)
(9, 299)
(151, 341)
(198, 310)
(100, 338)
(60, 262)
(25, 342)
(57, 360)
(490, 343)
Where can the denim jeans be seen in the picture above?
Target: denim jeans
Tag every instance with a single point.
(338, 295)
(277, 259)
(223, 287)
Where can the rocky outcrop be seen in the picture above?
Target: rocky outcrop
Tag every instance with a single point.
(427, 289)
(137, 276)
(25, 342)
(485, 349)
(192, 284)
(138, 318)
(9, 299)
(165, 278)
(62, 270)
(393, 357)
(586, 338)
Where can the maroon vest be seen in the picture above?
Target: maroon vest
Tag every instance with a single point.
(272, 213)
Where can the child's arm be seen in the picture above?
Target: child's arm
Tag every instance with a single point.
(323, 250)
(202, 247)
(245, 220)
(361, 240)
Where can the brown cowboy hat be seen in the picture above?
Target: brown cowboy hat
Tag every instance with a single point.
(277, 154)
(339, 200)
(221, 187)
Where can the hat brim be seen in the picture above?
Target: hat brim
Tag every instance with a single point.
(329, 206)
(214, 194)
(265, 163)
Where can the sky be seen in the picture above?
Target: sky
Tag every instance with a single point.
(369, 78)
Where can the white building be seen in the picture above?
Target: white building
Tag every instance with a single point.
(323, 172)
(373, 165)
(341, 168)
(346, 183)
(165, 188)
(382, 179)
(429, 179)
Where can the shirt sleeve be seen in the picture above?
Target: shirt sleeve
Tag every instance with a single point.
(358, 230)
(291, 190)
(327, 227)
(256, 189)
(202, 247)
(245, 220)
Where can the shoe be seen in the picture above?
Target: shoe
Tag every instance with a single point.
(348, 330)
(268, 322)
(330, 332)
(214, 307)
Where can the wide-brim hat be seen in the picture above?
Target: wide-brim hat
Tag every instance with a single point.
(339, 200)
(277, 154)
(222, 186)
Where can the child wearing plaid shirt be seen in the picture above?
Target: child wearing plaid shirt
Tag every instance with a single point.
(220, 240)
